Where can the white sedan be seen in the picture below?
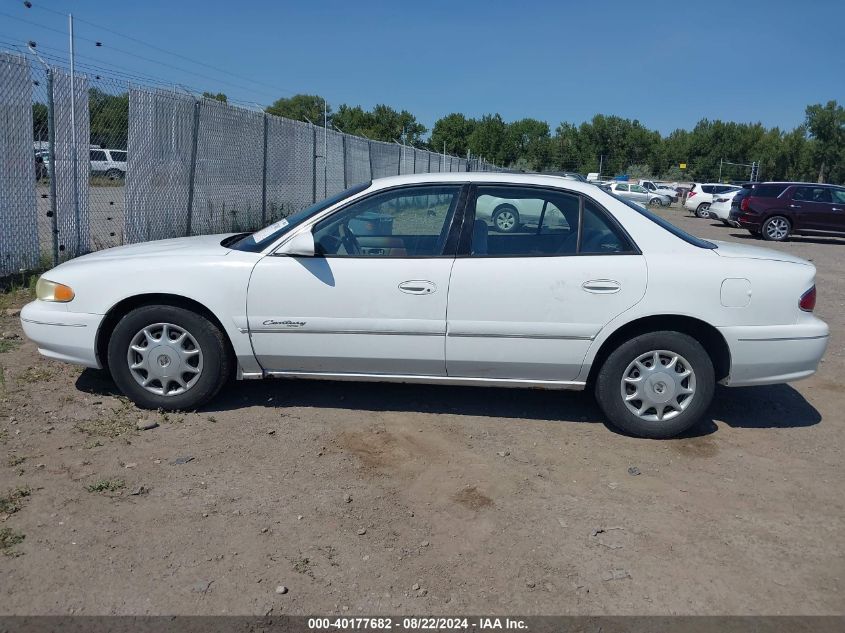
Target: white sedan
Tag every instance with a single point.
(397, 280)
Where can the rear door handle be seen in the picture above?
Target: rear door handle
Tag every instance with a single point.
(418, 287)
(794, 206)
(837, 209)
(601, 286)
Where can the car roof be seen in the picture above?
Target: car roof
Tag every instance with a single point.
(792, 182)
(486, 177)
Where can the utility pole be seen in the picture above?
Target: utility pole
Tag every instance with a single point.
(601, 164)
(720, 169)
(325, 149)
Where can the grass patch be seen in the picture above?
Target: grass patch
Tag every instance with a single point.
(106, 485)
(112, 424)
(13, 500)
(7, 345)
(8, 539)
(36, 374)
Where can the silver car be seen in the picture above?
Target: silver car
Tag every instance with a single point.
(640, 194)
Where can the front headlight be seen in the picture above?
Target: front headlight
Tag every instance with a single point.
(47, 290)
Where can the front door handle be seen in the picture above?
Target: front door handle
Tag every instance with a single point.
(418, 287)
(794, 206)
(601, 286)
(837, 209)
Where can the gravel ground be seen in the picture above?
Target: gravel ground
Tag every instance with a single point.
(364, 498)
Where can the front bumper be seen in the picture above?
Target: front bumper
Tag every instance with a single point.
(61, 334)
(773, 354)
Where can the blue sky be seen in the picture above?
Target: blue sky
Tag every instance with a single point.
(667, 64)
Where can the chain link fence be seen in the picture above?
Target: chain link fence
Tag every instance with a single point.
(88, 163)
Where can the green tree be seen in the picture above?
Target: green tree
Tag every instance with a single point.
(39, 122)
(529, 139)
(454, 130)
(490, 139)
(300, 108)
(387, 125)
(109, 118)
(217, 97)
(352, 120)
(826, 124)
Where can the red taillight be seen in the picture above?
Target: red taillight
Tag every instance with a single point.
(690, 195)
(808, 300)
(743, 206)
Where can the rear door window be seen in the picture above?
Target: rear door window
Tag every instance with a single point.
(707, 188)
(769, 190)
(811, 194)
(838, 196)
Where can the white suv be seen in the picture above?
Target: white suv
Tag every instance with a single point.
(108, 162)
(700, 197)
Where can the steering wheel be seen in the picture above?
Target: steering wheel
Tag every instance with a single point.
(347, 237)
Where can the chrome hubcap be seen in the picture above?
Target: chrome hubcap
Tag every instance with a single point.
(505, 220)
(164, 359)
(777, 228)
(658, 385)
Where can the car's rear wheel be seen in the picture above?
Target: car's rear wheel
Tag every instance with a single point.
(776, 229)
(164, 357)
(726, 223)
(702, 210)
(114, 174)
(656, 385)
(506, 219)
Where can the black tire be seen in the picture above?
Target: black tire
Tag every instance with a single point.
(501, 213)
(770, 229)
(216, 359)
(702, 210)
(726, 223)
(115, 174)
(608, 388)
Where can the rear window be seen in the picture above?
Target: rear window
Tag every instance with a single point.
(707, 188)
(769, 191)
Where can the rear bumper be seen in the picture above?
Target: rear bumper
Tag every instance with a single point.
(60, 334)
(772, 354)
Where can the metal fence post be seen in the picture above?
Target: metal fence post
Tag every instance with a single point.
(51, 144)
(370, 156)
(345, 177)
(192, 173)
(314, 162)
(264, 174)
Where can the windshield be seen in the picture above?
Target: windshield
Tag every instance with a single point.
(674, 230)
(258, 241)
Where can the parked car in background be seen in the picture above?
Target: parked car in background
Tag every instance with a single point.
(720, 208)
(661, 189)
(108, 162)
(776, 210)
(638, 193)
(571, 175)
(736, 203)
(700, 196)
(596, 301)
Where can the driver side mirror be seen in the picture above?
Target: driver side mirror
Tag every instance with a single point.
(301, 245)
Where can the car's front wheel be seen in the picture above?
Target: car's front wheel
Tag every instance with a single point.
(165, 357)
(776, 229)
(656, 385)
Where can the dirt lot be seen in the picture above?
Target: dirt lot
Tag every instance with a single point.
(408, 499)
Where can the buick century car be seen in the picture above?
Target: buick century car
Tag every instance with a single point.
(402, 279)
